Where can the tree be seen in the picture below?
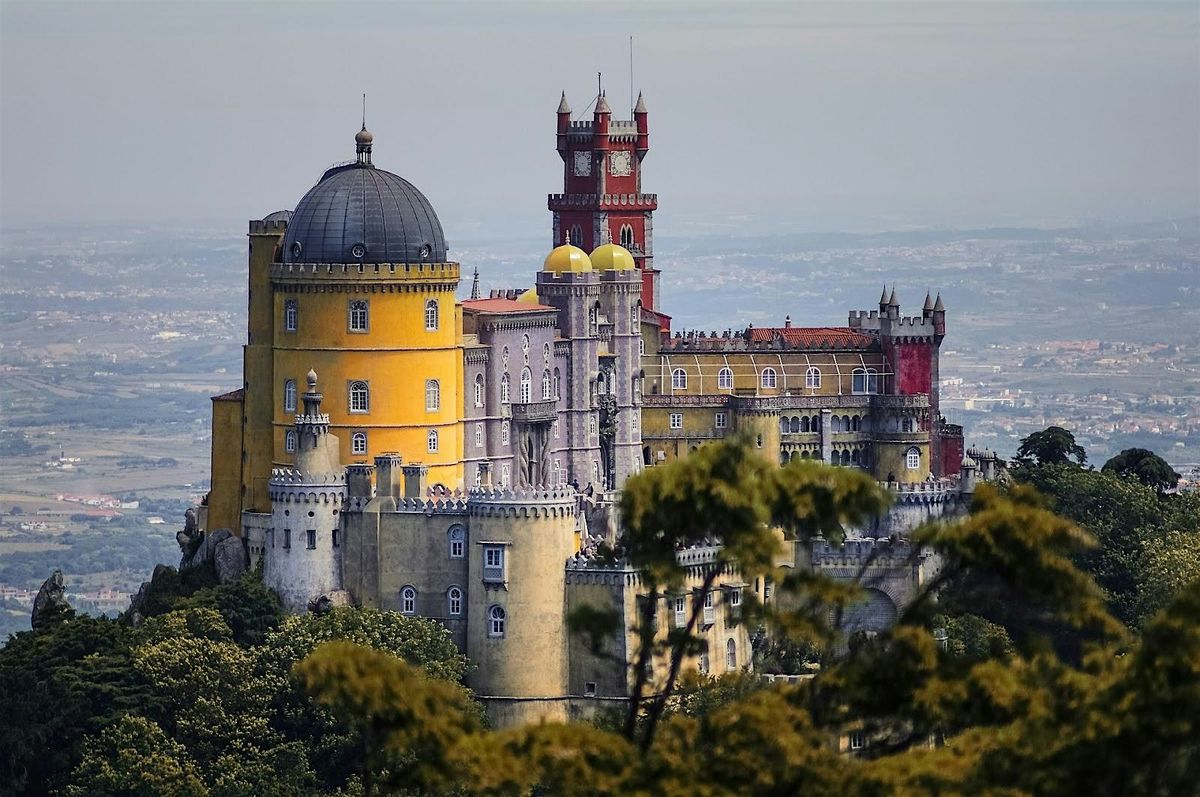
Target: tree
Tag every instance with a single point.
(1145, 466)
(1053, 445)
(134, 758)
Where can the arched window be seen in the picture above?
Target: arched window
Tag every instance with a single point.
(504, 389)
(433, 395)
(845, 457)
(458, 542)
(289, 395)
(454, 600)
(360, 397)
(865, 380)
(725, 379)
(912, 458)
(290, 315)
(479, 435)
(479, 390)
(289, 441)
(408, 600)
(594, 318)
(854, 424)
(359, 318)
(730, 655)
(627, 236)
(679, 379)
(768, 378)
(784, 425)
(854, 457)
(812, 377)
(526, 386)
(358, 443)
(804, 424)
(557, 386)
(506, 476)
(576, 235)
(547, 386)
(795, 424)
(431, 315)
(836, 423)
(504, 433)
(496, 619)
(432, 440)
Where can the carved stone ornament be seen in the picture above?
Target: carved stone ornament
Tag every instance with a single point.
(583, 164)
(620, 164)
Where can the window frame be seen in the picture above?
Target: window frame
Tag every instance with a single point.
(289, 395)
(291, 315)
(456, 547)
(763, 378)
(675, 420)
(310, 539)
(408, 600)
(480, 390)
(289, 441)
(912, 458)
(725, 378)
(433, 315)
(355, 439)
(454, 601)
(812, 378)
(432, 441)
(497, 621)
(353, 308)
(366, 394)
(720, 420)
(433, 395)
(679, 379)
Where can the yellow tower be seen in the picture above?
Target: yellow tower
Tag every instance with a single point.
(355, 284)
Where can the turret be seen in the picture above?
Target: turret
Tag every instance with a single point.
(939, 316)
(883, 302)
(967, 473)
(927, 310)
(564, 124)
(641, 119)
(600, 120)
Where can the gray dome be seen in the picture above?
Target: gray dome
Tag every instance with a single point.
(360, 214)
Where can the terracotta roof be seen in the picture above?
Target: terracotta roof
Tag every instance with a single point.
(502, 306)
(233, 395)
(813, 337)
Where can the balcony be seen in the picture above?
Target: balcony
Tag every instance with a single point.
(534, 411)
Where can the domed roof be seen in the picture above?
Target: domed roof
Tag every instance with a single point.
(529, 297)
(360, 214)
(567, 258)
(612, 257)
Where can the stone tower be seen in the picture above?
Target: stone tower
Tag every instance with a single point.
(302, 555)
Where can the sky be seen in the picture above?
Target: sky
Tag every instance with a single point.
(764, 117)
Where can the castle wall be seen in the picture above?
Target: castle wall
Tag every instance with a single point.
(224, 498)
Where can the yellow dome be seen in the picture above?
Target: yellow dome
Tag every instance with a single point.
(567, 258)
(612, 257)
(529, 297)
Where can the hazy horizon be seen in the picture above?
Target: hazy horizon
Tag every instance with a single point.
(767, 118)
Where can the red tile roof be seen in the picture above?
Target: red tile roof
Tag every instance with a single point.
(502, 306)
(233, 395)
(813, 337)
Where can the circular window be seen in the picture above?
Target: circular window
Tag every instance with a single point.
(297, 248)
(426, 251)
(358, 251)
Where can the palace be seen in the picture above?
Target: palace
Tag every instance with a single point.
(461, 460)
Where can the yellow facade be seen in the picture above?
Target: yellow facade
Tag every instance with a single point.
(410, 337)
(224, 508)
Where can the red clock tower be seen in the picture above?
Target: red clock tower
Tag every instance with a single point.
(602, 200)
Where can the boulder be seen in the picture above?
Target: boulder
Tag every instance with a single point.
(230, 559)
(51, 601)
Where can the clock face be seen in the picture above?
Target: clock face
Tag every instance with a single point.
(583, 164)
(620, 164)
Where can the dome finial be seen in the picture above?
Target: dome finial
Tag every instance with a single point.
(363, 138)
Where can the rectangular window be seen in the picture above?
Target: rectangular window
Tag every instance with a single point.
(359, 316)
(335, 538)
(857, 741)
(287, 538)
(680, 611)
(479, 435)
(311, 541)
(432, 441)
(290, 315)
(493, 564)
(589, 689)
(720, 420)
(676, 420)
(709, 613)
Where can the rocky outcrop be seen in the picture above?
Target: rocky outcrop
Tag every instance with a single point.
(51, 601)
(230, 558)
(323, 604)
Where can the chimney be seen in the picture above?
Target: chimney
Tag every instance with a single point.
(387, 468)
(415, 475)
(358, 480)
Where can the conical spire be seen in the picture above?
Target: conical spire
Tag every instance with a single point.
(475, 285)
(641, 105)
(883, 297)
(893, 301)
(602, 104)
(928, 301)
(563, 107)
(938, 306)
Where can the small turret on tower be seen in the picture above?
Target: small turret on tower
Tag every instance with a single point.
(564, 123)
(641, 119)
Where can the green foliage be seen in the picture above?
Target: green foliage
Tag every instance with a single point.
(250, 608)
(1053, 445)
(972, 637)
(1145, 466)
(134, 758)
